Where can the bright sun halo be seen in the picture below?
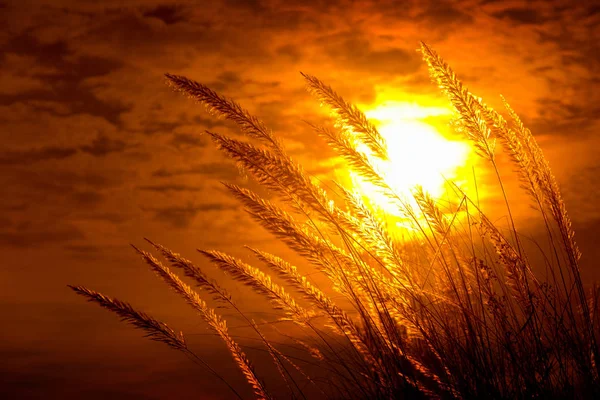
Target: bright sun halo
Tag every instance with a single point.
(418, 153)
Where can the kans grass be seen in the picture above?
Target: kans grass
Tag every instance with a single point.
(462, 312)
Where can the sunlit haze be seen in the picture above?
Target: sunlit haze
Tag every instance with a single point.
(418, 153)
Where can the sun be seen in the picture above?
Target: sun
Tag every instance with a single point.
(418, 153)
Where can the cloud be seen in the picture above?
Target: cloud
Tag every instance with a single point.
(290, 52)
(84, 249)
(49, 197)
(521, 15)
(225, 171)
(56, 181)
(233, 81)
(207, 122)
(442, 15)
(102, 146)
(188, 140)
(167, 13)
(28, 157)
(114, 217)
(581, 190)
(354, 50)
(566, 117)
(227, 79)
(183, 216)
(61, 73)
(28, 236)
(86, 198)
(170, 187)
(106, 253)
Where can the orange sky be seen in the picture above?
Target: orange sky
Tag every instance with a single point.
(97, 152)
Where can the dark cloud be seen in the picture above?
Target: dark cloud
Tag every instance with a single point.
(582, 190)
(141, 39)
(355, 51)
(83, 249)
(97, 252)
(63, 77)
(53, 181)
(570, 107)
(255, 6)
(109, 216)
(207, 122)
(444, 14)
(290, 52)
(435, 18)
(154, 124)
(523, 15)
(50, 107)
(86, 198)
(43, 235)
(592, 10)
(189, 140)
(51, 54)
(103, 145)
(28, 157)
(170, 187)
(566, 117)
(50, 193)
(14, 207)
(225, 171)
(229, 77)
(183, 216)
(167, 13)
(232, 81)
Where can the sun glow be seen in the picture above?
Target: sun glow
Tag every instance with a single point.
(418, 153)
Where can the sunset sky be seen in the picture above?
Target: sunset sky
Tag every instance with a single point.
(97, 152)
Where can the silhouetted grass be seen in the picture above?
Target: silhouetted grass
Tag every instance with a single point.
(459, 313)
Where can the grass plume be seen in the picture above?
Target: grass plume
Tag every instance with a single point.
(460, 309)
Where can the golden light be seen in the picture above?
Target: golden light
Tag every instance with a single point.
(418, 153)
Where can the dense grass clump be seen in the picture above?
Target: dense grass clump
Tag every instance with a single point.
(462, 311)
